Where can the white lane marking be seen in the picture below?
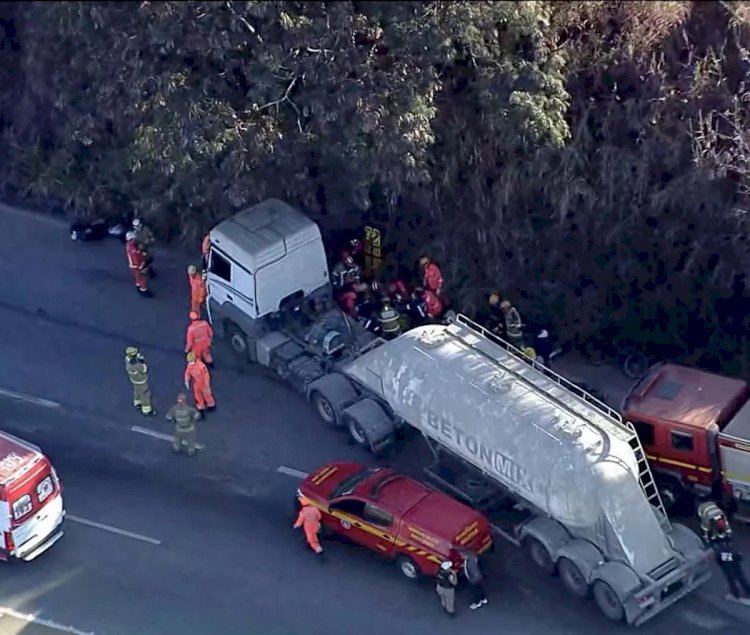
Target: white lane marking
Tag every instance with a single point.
(38, 401)
(114, 530)
(32, 619)
(161, 435)
(290, 471)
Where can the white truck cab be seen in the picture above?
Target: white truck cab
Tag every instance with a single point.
(262, 261)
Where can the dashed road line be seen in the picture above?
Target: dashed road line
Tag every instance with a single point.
(111, 529)
(37, 401)
(33, 619)
(290, 471)
(160, 435)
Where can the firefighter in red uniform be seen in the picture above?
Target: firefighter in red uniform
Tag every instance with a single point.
(432, 305)
(432, 277)
(137, 263)
(398, 292)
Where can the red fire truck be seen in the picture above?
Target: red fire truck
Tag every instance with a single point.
(695, 429)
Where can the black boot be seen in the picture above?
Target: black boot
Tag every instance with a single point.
(146, 293)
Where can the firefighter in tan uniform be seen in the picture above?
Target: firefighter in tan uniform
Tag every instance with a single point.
(184, 417)
(135, 364)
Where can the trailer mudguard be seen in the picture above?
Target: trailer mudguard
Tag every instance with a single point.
(623, 580)
(584, 555)
(686, 542)
(336, 389)
(374, 422)
(551, 534)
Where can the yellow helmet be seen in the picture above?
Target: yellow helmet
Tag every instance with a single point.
(192, 270)
(424, 261)
(131, 351)
(190, 356)
(181, 398)
(494, 299)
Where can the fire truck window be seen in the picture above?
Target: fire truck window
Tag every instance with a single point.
(645, 432)
(220, 266)
(682, 441)
(377, 516)
(350, 506)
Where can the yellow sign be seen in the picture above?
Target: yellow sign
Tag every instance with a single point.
(373, 251)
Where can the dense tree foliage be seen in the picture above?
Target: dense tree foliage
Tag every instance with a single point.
(591, 160)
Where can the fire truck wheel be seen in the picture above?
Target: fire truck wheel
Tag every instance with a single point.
(539, 555)
(608, 602)
(408, 567)
(572, 578)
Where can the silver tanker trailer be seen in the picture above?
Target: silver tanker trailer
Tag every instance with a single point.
(576, 469)
(571, 474)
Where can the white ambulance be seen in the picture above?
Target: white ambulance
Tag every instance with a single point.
(31, 505)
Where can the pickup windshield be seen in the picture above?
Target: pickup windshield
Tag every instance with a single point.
(347, 485)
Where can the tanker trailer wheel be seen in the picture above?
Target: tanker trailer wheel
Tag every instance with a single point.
(608, 602)
(572, 578)
(539, 555)
(408, 567)
(357, 432)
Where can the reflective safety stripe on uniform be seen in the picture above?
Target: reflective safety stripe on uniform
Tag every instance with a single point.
(389, 321)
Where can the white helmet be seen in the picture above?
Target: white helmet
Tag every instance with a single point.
(136, 223)
(446, 566)
(130, 236)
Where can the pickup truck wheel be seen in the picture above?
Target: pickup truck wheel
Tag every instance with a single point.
(325, 409)
(608, 602)
(408, 567)
(572, 578)
(539, 555)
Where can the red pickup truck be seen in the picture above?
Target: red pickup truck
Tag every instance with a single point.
(403, 519)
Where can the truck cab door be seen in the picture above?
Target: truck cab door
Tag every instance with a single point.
(353, 518)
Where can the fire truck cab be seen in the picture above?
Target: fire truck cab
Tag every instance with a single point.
(396, 516)
(695, 429)
(31, 505)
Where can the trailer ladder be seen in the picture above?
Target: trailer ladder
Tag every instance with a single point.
(645, 477)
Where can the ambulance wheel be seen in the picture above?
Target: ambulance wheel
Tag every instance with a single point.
(408, 568)
(608, 602)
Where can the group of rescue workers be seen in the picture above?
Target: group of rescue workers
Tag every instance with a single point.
(392, 307)
(139, 242)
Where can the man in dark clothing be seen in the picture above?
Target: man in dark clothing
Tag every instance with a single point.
(729, 559)
(474, 577)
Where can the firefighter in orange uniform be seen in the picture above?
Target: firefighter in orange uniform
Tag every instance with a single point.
(205, 248)
(432, 277)
(433, 305)
(137, 263)
(197, 289)
(309, 519)
(197, 373)
(199, 338)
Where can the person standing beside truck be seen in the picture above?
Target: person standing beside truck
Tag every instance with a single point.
(197, 373)
(730, 562)
(309, 519)
(446, 584)
(473, 573)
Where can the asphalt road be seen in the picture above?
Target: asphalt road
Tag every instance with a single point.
(161, 544)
